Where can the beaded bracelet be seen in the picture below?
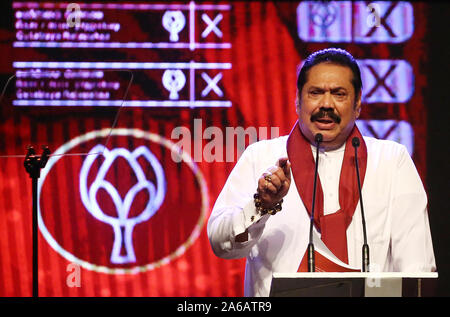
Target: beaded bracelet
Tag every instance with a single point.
(263, 211)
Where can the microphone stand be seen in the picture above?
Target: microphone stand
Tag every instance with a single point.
(33, 164)
(311, 256)
(365, 248)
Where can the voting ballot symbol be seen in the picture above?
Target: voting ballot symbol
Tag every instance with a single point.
(173, 80)
(173, 22)
(323, 16)
(123, 224)
(395, 130)
(386, 80)
(355, 21)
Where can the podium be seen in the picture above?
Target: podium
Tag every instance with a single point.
(354, 284)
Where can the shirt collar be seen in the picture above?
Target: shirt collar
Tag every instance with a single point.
(334, 152)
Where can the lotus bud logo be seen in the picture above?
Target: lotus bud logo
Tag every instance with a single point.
(122, 225)
(124, 209)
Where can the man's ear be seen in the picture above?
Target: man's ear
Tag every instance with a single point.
(358, 105)
(297, 103)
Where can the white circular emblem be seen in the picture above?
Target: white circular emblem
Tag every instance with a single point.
(123, 224)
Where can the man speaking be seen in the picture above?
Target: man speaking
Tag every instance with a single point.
(273, 195)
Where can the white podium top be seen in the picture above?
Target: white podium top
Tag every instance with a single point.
(379, 275)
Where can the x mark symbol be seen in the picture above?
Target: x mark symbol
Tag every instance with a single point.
(212, 84)
(212, 25)
(383, 21)
(386, 133)
(381, 81)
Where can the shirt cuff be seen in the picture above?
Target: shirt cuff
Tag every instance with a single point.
(248, 217)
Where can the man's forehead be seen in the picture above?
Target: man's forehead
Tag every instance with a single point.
(328, 86)
(330, 75)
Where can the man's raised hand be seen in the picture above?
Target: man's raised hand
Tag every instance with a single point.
(274, 184)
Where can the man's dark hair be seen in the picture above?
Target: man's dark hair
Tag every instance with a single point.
(335, 56)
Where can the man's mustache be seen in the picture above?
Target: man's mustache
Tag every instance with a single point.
(326, 113)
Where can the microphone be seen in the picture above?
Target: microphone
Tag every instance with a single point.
(365, 248)
(311, 257)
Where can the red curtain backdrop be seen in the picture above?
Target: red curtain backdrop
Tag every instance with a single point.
(173, 256)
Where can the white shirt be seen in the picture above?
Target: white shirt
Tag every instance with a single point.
(329, 169)
(395, 206)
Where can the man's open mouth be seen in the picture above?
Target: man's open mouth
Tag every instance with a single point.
(326, 117)
(325, 120)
